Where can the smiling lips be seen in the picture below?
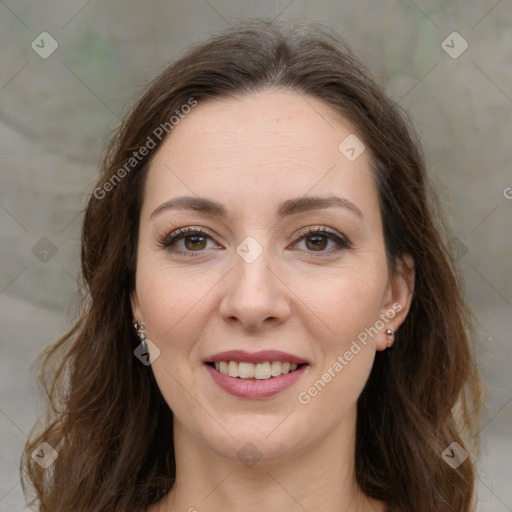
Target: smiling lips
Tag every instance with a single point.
(258, 375)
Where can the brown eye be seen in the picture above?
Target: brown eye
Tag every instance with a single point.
(187, 241)
(195, 242)
(323, 241)
(316, 242)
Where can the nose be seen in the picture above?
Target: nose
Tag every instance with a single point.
(254, 296)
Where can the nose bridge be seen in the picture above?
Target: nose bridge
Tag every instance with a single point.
(254, 293)
(252, 268)
(253, 271)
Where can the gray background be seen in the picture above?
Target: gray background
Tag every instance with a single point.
(56, 113)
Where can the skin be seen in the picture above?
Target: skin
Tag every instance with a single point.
(251, 153)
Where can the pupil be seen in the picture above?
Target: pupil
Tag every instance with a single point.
(318, 242)
(197, 241)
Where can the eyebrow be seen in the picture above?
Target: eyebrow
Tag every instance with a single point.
(285, 209)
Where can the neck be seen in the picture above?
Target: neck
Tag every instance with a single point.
(320, 477)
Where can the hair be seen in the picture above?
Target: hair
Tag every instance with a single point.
(105, 414)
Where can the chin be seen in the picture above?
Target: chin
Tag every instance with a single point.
(252, 437)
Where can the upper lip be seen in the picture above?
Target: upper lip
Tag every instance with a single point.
(254, 357)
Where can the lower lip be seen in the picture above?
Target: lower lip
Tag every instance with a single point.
(255, 388)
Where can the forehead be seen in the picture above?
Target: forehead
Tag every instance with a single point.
(261, 147)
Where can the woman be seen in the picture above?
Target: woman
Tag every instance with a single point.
(272, 318)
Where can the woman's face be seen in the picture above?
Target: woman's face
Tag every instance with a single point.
(259, 233)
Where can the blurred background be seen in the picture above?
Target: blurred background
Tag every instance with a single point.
(69, 70)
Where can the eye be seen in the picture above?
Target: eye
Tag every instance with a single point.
(191, 240)
(188, 240)
(322, 240)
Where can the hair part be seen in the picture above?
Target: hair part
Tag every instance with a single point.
(106, 416)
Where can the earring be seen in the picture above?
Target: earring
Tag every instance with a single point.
(391, 334)
(141, 333)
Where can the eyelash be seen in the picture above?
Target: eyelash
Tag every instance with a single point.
(181, 233)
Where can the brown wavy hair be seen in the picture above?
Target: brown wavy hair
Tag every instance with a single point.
(105, 414)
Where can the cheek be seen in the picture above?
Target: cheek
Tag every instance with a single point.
(171, 299)
(332, 392)
(173, 305)
(346, 305)
(349, 308)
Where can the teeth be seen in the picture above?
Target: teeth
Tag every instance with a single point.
(275, 368)
(245, 370)
(233, 369)
(262, 371)
(259, 371)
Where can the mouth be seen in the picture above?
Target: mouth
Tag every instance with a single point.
(259, 371)
(255, 375)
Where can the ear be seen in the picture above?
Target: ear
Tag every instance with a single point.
(397, 299)
(136, 310)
